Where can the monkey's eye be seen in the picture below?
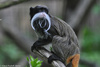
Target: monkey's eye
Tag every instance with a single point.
(46, 11)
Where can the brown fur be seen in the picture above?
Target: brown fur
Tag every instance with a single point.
(74, 59)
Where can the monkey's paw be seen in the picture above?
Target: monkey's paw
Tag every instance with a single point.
(52, 58)
(35, 46)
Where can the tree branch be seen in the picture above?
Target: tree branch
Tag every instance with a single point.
(11, 3)
(44, 54)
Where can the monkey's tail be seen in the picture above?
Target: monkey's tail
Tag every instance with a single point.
(73, 61)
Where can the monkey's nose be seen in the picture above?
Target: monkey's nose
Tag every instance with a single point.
(43, 15)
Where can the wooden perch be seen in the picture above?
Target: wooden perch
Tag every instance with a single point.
(44, 54)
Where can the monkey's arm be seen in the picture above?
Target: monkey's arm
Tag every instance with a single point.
(40, 42)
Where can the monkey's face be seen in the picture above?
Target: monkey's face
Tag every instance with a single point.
(40, 19)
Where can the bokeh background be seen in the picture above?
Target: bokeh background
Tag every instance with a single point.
(17, 36)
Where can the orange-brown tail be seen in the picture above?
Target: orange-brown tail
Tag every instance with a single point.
(74, 59)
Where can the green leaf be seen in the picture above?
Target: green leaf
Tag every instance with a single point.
(38, 65)
(27, 59)
(34, 62)
(51, 48)
(32, 59)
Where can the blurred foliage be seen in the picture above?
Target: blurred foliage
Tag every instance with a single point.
(10, 53)
(96, 9)
(34, 62)
(90, 45)
(82, 65)
(91, 40)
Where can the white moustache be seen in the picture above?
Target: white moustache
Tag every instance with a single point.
(41, 15)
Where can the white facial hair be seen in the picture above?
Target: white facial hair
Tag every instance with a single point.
(40, 15)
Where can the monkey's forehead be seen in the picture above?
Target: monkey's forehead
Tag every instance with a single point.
(40, 6)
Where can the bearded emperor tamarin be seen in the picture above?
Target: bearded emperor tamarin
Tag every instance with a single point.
(53, 30)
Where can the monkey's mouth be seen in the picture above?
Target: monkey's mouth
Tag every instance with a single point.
(41, 23)
(42, 19)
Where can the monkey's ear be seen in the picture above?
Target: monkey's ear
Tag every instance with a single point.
(31, 9)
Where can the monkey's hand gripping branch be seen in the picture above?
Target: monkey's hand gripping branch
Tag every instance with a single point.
(44, 55)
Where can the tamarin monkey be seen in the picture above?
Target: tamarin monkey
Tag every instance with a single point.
(53, 30)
